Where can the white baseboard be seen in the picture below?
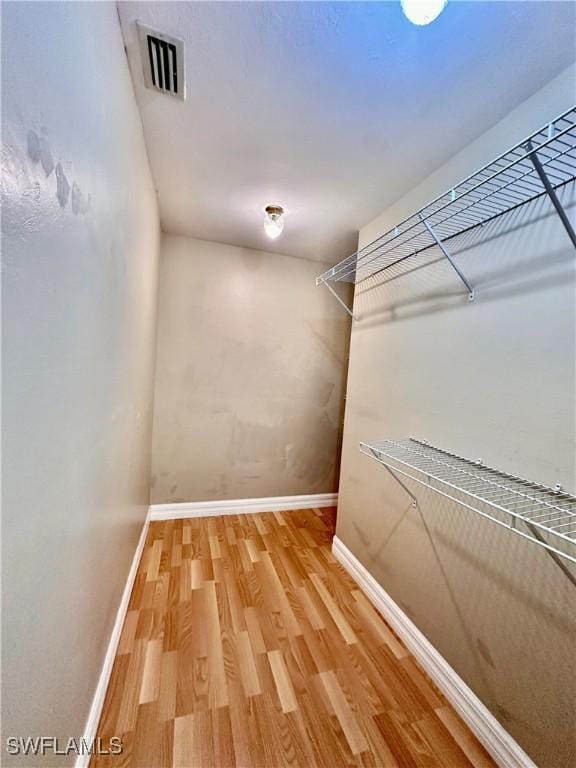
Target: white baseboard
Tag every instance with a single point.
(497, 741)
(241, 506)
(91, 726)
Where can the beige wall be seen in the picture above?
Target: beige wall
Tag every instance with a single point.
(493, 380)
(80, 249)
(250, 374)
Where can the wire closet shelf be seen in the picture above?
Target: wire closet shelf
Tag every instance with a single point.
(544, 515)
(539, 165)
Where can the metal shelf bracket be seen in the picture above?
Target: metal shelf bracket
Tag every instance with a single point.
(549, 188)
(444, 250)
(373, 454)
(338, 299)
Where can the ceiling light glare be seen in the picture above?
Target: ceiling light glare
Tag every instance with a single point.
(274, 221)
(421, 12)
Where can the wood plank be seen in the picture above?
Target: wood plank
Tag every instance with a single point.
(372, 621)
(154, 562)
(128, 709)
(183, 751)
(474, 751)
(150, 688)
(197, 579)
(283, 683)
(168, 683)
(337, 616)
(128, 633)
(218, 692)
(347, 719)
(248, 671)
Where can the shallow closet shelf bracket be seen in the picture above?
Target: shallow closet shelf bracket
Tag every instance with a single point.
(321, 281)
(444, 250)
(549, 187)
(544, 515)
(539, 166)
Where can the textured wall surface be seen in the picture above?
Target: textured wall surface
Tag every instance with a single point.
(492, 379)
(80, 263)
(250, 374)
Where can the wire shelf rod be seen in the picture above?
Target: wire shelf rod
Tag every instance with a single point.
(536, 486)
(543, 514)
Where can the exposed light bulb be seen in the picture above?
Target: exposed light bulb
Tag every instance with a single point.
(422, 12)
(274, 221)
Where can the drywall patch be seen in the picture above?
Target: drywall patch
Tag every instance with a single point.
(80, 203)
(504, 714)
(311, 447)
(33, 142)
(46, 159)
(39, 151)
(252, 260)
(328, 332)
(62, 186)
(407, 610)
(253, 442)
(484, 652)
(314, 387)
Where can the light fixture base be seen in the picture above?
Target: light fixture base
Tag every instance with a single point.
(273, 220)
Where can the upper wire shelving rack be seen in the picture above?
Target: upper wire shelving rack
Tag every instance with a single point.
(544, 515)
(538, 165)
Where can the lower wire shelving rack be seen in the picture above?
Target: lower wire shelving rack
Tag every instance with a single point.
(544, 515)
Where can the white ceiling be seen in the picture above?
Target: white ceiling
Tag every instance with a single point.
(333, 110)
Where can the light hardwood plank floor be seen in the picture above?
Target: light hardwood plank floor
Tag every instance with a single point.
(246, 644)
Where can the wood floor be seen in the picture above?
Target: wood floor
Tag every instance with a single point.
(246, 644)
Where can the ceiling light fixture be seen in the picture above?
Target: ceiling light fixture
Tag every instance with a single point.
(274, 221)
(422, 12)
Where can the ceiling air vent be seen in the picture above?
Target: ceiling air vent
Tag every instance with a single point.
(162, 61)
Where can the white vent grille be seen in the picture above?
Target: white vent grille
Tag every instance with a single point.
(162, 61)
